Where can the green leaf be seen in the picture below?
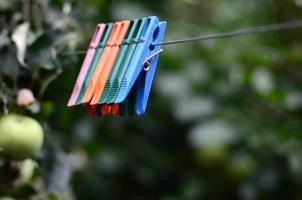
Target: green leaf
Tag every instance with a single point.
(19, 36)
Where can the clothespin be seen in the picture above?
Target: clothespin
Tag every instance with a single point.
(110, 47)
(121, 64)
(108, 64)
(95, 60)
(85, 66)
(142, 66)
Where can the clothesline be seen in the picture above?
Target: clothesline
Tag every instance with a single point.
(234, 33)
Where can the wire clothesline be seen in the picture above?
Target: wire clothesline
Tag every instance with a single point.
(235, 33)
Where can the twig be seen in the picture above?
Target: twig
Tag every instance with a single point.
(48, 81)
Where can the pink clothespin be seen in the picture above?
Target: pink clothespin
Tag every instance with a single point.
(86, 64)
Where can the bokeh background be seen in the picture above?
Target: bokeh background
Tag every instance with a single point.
(223, 119)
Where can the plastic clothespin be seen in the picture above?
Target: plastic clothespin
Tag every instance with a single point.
(88, 58)
(108, 64)
(95, 60)
(98, 69)
(145, 54)
(144, 83)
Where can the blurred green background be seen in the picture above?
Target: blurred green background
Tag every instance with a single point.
(223, 119)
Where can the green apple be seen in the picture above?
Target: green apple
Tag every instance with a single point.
(21, 137)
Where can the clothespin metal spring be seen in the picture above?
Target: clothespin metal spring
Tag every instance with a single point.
(146, 63)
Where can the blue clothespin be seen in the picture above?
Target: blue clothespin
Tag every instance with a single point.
(142, 67)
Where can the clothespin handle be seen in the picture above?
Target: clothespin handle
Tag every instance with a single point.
(149, 66)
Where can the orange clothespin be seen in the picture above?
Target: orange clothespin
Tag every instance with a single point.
(108, 64)
(100, 65)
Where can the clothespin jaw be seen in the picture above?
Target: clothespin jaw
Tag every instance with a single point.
(146, 52)
(85, 66)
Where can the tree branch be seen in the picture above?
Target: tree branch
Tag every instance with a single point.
(48, 82)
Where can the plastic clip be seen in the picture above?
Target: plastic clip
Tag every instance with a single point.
(153, 33)
(85, 66)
